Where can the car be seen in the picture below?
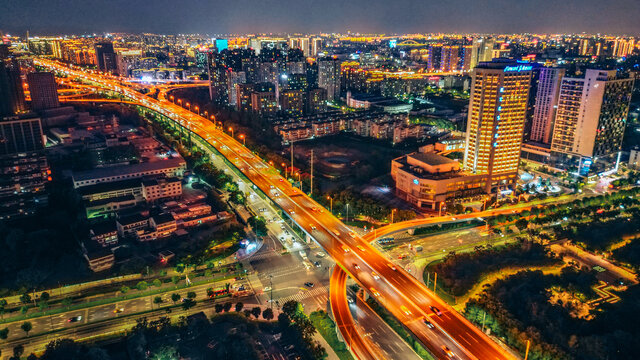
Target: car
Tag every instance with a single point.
(336, 232)
(309, 284)
(375, 275)
(313, 227)
(345, 248)
(320, 254)
(428, 323)
(317, 264)
(75, 319)
(436, 310)
(350, 300)
(374, 292)
(314, 208)
(268, 288)
(271, 186)
(352, 234)
(405, 310)
(281, 180)
(393, 267)
(118, 310)
(356, 266)
(360, 247)
(292, 212)
(448, 351)
(288, 347)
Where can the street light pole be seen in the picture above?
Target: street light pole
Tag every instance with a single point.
(347, 212)
(271, 290)
(330, 204)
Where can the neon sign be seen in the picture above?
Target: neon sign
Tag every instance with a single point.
(518, 68)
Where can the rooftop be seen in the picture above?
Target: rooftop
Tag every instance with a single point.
(99, 173)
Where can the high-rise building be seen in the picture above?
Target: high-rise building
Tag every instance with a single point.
(495, 123)
(243, 97)
(329, 77)
(481, 50)
(292, 102)
(316, 46)
(592, 114)
(102, 49)
(263, 99)
(4, 51)
(233, 80)
(11, 91)
(43, 89)
(449, 61)
(218, 80)
(23, 167)
(546, 101)
(316, 101)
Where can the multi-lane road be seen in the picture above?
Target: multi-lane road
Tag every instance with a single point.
(398, 291)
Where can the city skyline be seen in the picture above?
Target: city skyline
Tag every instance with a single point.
(460, 16)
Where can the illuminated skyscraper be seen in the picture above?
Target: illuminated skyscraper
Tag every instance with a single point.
(495, 124)
(481, 50)
(233, 80)
(329, 77)
(592, 114)
(43, 89)
(104, 51)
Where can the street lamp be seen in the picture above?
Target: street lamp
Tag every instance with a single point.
(285, 169)
(188, 105)
(330, 203)
(347, 212)
(197, 110)
(392, 211)
(231, 131)
(440, 208)
(244, 140)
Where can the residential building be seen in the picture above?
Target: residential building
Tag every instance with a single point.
(11, 91)
(329, 77)
(546, 103)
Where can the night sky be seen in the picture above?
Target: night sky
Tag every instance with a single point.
(381, 16)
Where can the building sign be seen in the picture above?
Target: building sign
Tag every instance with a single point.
(518, 68)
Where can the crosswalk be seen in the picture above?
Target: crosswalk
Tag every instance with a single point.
(304, 294)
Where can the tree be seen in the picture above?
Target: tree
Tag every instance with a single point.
(142, 285)
(66, 302)
(256, 311)
(157, 300)
(45, 296)
(227, 306)
(188, 304)
(26, 327)
(210, 292)
(292, 308)
(218, 308)
(247, 313)
(175, 297)
(157, 283)
(165, 353)
(191, 295)
(25, 298)
(4, 333)
(124, 289)
(522, 224)
(18, 350)
(175, 280)
(239, 306)
(267, 314)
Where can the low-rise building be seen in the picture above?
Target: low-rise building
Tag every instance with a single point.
(105, 234)
(161, 188)
(427, 180)
(171, 167)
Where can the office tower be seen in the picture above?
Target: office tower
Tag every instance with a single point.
(11, 91)
(218, 79)
(292, 102)
(294, 43)
(329, 77)
(263, 99)
(495, 123)
(546, 101)
(23, 167)
(592, 114)
(222, 44)
(450, 60)
(312, 74)
(315, 101)
(269, 72)
(43, 89)
(481, 51)
(316, 46)
(102, 49)
(243, 97)
(585, 48)
(233, 80)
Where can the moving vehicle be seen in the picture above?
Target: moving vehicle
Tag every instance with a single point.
(436, 310)
(393, 267)
(374, 292)
(75, 319)
(360, 247)
(309, 284)
(405, 310)
(345, 248)
(448, 351)
(375, 275)
(428, 323)
(356, 266)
